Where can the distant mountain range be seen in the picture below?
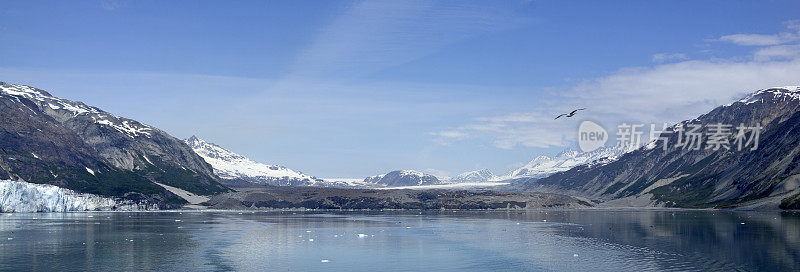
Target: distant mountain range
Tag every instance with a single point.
(539, 167)
(681, 177)
(233, 168)
(49, 140)
(544, 166)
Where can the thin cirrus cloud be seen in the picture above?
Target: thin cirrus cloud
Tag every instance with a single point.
(373, 35)
(777, 52)
(667, 57)
(793, 35)
(111, 4)
(667, 92)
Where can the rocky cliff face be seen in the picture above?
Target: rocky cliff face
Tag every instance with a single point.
(45, 139)
(681, 177)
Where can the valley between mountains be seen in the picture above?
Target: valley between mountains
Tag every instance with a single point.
(63, 155)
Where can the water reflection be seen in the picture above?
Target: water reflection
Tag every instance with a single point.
(402, 241)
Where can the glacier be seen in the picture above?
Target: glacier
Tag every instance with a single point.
(19, 196)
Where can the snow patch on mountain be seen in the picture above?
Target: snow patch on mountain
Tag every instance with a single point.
(17, 196)
(125, 126)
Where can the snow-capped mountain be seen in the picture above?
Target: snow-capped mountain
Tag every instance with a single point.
(483, 175)
(233, 167)
(402, 178)
(544, 166)
(776, 94)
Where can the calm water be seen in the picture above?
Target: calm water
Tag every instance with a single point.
(402, 241)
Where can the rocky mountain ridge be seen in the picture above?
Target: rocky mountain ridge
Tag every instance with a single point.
(49, 140)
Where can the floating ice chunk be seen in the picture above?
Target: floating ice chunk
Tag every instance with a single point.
(311, 240)
(361, 235)
(324, 261)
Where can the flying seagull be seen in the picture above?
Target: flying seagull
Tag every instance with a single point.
(569, 114)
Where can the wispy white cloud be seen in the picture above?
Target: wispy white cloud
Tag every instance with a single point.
(748, 39)
(777, 52)
(447, 137)
(111, 4)
(756, 39)
(668, 57)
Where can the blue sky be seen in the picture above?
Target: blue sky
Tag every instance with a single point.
(357, 88)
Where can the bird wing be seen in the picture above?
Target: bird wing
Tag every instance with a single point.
(573, 112)
(560, 116)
